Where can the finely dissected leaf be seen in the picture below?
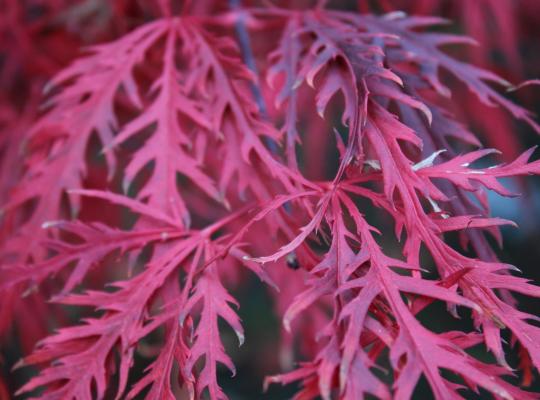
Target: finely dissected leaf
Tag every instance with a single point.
(83, 106)
(161, 168)
(167, 146)
(458, 171)
(207, 342)
(99, 241)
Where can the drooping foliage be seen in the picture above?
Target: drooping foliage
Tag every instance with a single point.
(325, 151)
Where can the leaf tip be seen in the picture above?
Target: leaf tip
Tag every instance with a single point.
(287, 324)
(241, 338)
(19, 364)
(50, 224)
(297, 83)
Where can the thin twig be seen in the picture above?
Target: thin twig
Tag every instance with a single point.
(247, 56)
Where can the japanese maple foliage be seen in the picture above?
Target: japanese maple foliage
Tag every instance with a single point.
(190, 144)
